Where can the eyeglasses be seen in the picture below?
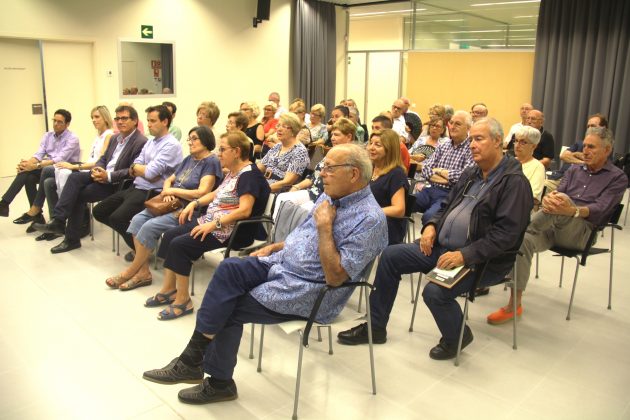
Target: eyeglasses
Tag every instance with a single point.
(455, 123)
(245, 109)
(396, 107)
(60, 122)
(223, 149)
(332, 168)
(122, 119)
(191, 139)
(522, 142)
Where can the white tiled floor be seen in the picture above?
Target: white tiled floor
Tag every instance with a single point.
(72, 348)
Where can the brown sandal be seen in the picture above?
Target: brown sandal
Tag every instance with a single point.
(114, 282)
(134, 283)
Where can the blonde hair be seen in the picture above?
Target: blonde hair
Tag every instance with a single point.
(210, 110)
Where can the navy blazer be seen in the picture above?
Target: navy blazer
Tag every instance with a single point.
(128, 154)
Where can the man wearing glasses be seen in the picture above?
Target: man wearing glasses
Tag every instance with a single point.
(443, 169)
(484, 216)
(345, 232)
(96, 185)
(58, 145)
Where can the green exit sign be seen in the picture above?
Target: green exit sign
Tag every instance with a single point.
(146, 31)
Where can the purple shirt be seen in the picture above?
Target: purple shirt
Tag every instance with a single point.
(161, 156)
(448, 156)
(600, 191)
(59, 148)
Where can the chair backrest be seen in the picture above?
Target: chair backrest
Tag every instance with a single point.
(410, 200)
(288, 217)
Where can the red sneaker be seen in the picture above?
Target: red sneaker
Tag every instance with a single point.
(503, 315)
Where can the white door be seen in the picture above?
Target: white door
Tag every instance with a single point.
(21, 87)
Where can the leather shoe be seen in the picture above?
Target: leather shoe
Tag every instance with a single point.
(175, 372)
(4, 209)
(27, 218)
(205, 393)
(38, 219)
(359, 335)
(65, 246)
(47, 237)
(445, 351)
(54, 226)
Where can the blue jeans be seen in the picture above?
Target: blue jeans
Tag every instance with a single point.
(148, 228)
(226, 306)
(401, 259)
(428, 201)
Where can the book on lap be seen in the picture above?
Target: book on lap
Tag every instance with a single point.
(448, 278)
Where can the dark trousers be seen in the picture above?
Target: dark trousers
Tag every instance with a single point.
(29, 181)
(226, 306)
(46, 181)
(117, 210)
(401, 259)
(180, 250)
(428, 202)
(79, 190)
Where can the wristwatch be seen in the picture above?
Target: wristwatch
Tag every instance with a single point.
(577, 212)
(197, 203)
(39, 165)
(218, 223)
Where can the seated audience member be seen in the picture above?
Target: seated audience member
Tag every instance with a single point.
(573, 155)
(399, 108)
(58, 145)
(208, 114)
(274, 97)
(443, 169)
(319, 133)
(254, 130)
(269, 123)
(360, 133)
(285, 163)
(478, 111)
(195, 177)
(157, 161)
(382, 122)
(299, 109)
(389, 181)
(243, 193)
(484, 216)
(525, 108)
(340, 111)
(237, 121)
(54, 181)
(174, 130)
(526, 140)
(424, 147)
(585, 198)
(545, 150)
(344, 233)
(109, 171)
(313, 185)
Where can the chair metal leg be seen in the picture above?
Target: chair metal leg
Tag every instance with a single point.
(260, 348)
(411, 284)
(369, 323)
(319, 333)
(561, 271)
(299, 376)
(461, 333)
(577, 269)
(625, 218)
(515, 307)
(251, 342)
(192, 280)
(610, 273)
(91, 206)
(113, 240)
(415, 303)
(117, 244)
(330, 350)
(537, 265)
(360, 299)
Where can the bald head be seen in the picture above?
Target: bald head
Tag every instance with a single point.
(535, 119)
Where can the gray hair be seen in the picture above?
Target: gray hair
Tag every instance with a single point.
(292, 120)
(494, 126)
(448, 111)
(467, 117)
(531, 134)
(358, 157)
(603, 133)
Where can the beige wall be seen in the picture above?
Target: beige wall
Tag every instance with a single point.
(500, 79)
(219, 55)
(376, 34)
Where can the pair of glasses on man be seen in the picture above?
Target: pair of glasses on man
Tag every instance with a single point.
(329, 169)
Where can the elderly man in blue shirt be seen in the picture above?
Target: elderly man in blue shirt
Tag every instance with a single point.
(343, 233)
(156, 162)
(58, 145)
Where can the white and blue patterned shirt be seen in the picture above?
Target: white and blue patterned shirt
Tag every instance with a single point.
(296, 274)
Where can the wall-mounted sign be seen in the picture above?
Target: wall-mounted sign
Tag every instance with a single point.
(146, 31)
